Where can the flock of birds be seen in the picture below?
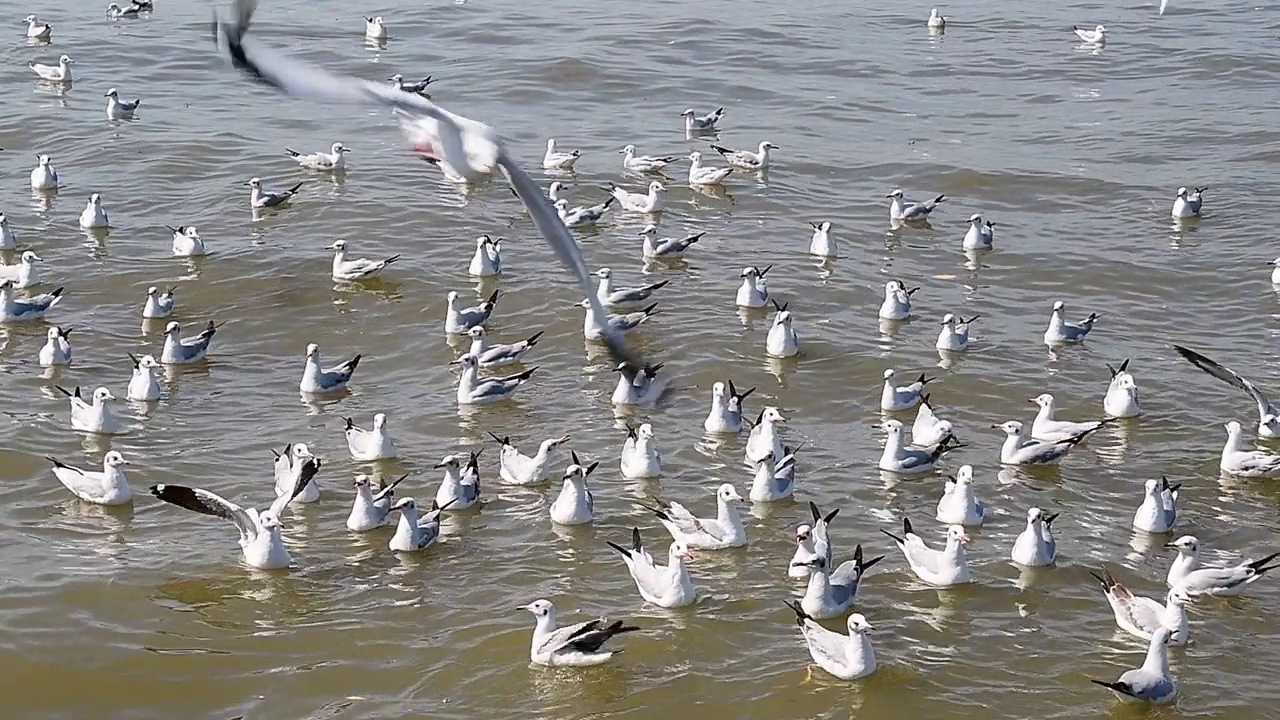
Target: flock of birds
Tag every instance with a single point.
(465, 150)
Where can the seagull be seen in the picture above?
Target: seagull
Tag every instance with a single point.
(260, 540)
(519, 469)
(371, 510)
(474, 390)
(1246, 463)
(178, 351)
(954, 336)
(705, 175)
(260, 198)
(115, 12)
(782, 340)
(375, 28)
(1150, 683)
(57, 349)
(1268, 414)
(830, 593)
(940, 568)
(98, 417)
(936, 21)
(94, 215)
(959, 504)
(644, 163)
(316, 379)
(774, 481)
(109, 487)
(1061, 332)
(637, 386)
(118, 110)
(552, 160)
(1142, 616)
(143, 385)
(725, 415)
(186, 241)
(333, 161)
(764, 440)
(1187, 205)
(895, 398)
(693, 122)
(286, 468)
(458, 321)
(754, 291)
(37, 30)
(903, 459)
(626, 296)
(1121, 400)
(7, 239)
(490, 356)
(58, 74)
(845, 657)
(43, 175)
(418, 87)
(905, 211)
(576, 645)
(928, 429)
(581, 216)
(647, 203)
(1017, 451)
(24, 273)
(822, 244)
(460, 488)
(724, 531)
(640, 459)
(745, 159)
(349, 269)
(157, 305)
(1046, 429)
(980, 236)
(1035, 546)
(668, 587)
(30, 308)
(812, 541)
(1096, 36)
(369, 445)
(1186, 573)
(487, 261)
(411, 534)
(1157, 512)
(667, 248)
(574, 505)
(617, 325)
(897, 301)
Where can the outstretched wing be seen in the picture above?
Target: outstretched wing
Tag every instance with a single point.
(207, 503)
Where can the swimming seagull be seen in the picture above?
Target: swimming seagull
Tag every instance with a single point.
(474, 390)
(724, 531)
(903, 459)
(8, 241)
(186, 241)
(43, 175)
(333, 161)
(1121, 400)
(894, 398)
(259, 198)
(745, 159)
(260, 540)
(936, 21)
(897, 301)
(669, 586)
(940, 568)
(316, 379)
(286, 468)
(1035, 546)
(578, 645)
(812, 541)
(980, 236)
(782, 340)
(575, 504)
(109, 487)
(822, 243)
(775, 478)
(24, 273)
(764, 440)
(1142, 616)
(647, 203)
(830, 593)
(460, 488)
(459, 320)
(1150, 683)
(94, 215)
(118, 109)
(754, 290)
(519, 469)
(959, 504)
(928, 429)
(1187, 204)
(375, 28)
(1096, 36)
(59, 74)
(143, 385)
(725, 415)
(1018, 451)
(470, 149)
(1268, 414)
(1061, 332)
(693, 122)
(37, 30)
(57, 349)
(487, 260)
(115, 12)
(178, 351)
(617, 325)
(418, 87)
(1048, 429)
(954, 336)
(1157, 512)
(371, 510)
(666, 248)
(411, 533)
(490, 356)
(34, 307)
(637, 386)
(157, 305)
(352, 269)
(906, 211)
(581, 216)
(1246, 463)
(626, 296)
(845, 657)
(704, 175)
(640, 458)
(644, 163)
(372, 444)
(553, 160)
(96, 417)
(1186, 573)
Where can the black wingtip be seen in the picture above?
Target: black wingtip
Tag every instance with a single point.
(636, 544)
(350, 424)
(533, 339)
(906, 527)
(895, 537)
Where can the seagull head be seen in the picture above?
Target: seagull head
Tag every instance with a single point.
(173, 328)
(817, 563)
(397, 78)
(688, 113)
(1152, 487)
(895, 194)
(540, 608)
(771, 415)
(657, 187)
(680, 550)
(146, 361)
(1233, 428)
(695, 157)
(66, 60)
(313, 350)
(379, 421)
(1100, 29)
(645, 431)
(338, 245)
(1059, 306)
(301, 451)
(254, 183)
(1182, 192)
(29, 256)
(111, 93)
(948, 319)
(628, 150)
(452, 297)
(1013, 427)
(43, 159)
(1187, 545)
(957, 533)
(803, 533)
(1044, 400)
(29, 19)
(717, 390)
(405, 505)
(476, 333)
(102, 395)
(452, 462)
(604, 273)
(856, 623)
(114, 459)
(649, 229)
(53, 333)
(552, 443)
(727, 493)
(892, 427)
(338, 148)
(153, 291)
(964, 476)
(361, 480)
(95, 199)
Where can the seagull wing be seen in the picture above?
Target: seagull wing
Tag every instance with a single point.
(1227, 375)
(207, 503)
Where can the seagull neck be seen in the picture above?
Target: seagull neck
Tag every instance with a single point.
(468, 378)
(859, 649)
(408, 524)
(819, 586)
(478, 346)
(1184, 564)
(727, 515)
(1012, 442)
(893, 444)
(1157, 657)
(452, 477)
(544, 626)
(1234, 442)
(364, 495)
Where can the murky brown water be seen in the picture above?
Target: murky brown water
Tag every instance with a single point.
(147, 613)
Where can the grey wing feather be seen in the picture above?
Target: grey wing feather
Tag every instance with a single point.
(207, 503)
